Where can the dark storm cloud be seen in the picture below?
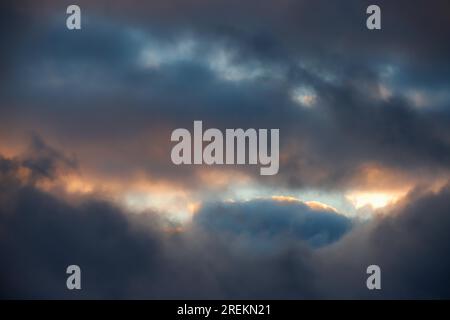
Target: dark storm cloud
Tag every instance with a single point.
(109, 96)
(39, 162)
(127, 256)
(44, 234)
(361, 131)
(44, 161)
(92, 85)
(409, 244)
(124, 256)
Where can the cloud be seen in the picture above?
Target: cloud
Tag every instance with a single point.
(103, 102)
(409, 245)
(265, 222)
(121, 255)
(242, 74)
(256, 249)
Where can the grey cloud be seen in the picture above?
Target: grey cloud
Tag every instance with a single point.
(267, 221)
(126, 256)
(45, 161)
(110, 115)
(409, 244)
(91, 86)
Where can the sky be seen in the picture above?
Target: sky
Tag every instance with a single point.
(86, 176)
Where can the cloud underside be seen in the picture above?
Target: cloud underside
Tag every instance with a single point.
(255, 249)
(357, 111)
(343, 100)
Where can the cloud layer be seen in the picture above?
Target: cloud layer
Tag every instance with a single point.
(258, 249)
(129, 80)
(357, 111)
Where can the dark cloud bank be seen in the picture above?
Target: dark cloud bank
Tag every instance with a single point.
(58, 82)
(88, 92)
(257, 249)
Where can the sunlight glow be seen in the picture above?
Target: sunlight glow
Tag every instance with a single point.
(304, 96)
(314, 205)
(375, 200)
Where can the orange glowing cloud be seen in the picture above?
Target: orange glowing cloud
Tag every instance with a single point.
(376, 186)
(314, 205)
(375, 200)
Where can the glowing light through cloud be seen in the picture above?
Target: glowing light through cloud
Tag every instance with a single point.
(374, 200)
(315, 205)
(304, 96)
